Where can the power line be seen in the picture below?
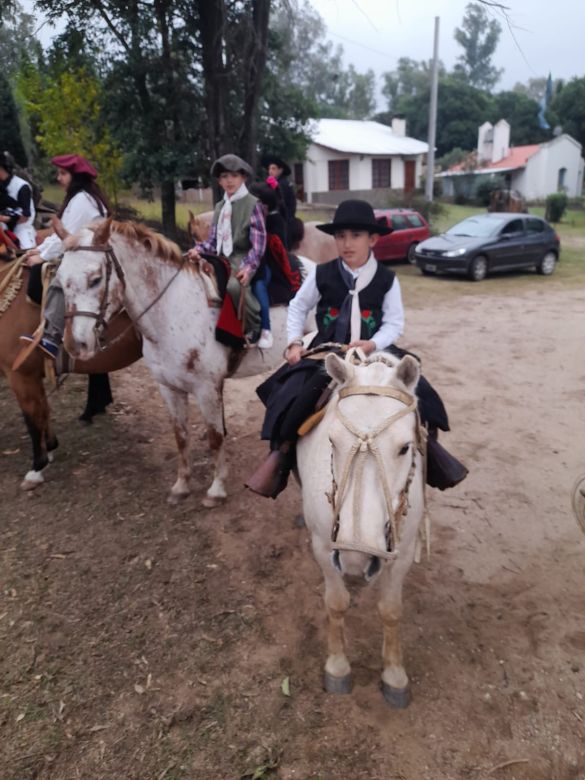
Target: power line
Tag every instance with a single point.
(362, 46)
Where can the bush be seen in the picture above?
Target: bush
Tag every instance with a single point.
(418, 202)
(485, 188)
(556, 205)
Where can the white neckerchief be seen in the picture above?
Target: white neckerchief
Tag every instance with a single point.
(225, 241)
(365, 273)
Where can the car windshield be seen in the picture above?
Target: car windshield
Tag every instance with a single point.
(476, 227)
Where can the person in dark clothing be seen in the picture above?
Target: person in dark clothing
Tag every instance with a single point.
(358, 302)
(273, 281)
(279, 169)
(17, 209)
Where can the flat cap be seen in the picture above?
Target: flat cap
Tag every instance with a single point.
(231, 163)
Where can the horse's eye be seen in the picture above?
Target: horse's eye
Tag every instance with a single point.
(404, 449)
(95, 282)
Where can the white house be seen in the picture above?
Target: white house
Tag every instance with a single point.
(535, 170)
(352, 158)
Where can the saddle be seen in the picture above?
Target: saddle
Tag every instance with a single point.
(229, 330)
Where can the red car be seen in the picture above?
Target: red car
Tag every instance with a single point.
(408, 229)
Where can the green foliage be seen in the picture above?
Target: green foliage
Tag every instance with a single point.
(10, 136)
(556, 205)
(485, 188)
(67, 110)
(302, 59)
(521, 113)
(410, 78)
(567, 109)
(478, 36)
(453, 157)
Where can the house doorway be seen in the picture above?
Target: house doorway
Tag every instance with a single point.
(409, 175)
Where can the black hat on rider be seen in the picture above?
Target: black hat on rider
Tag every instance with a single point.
(7, 162)
(354, 215)
(273, 159)
(231, 163)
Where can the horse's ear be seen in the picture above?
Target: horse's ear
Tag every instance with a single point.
(103, 232)
(408, 372)
(338, 369)
(191, 215)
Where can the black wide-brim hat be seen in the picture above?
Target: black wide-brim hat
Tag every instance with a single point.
(269, 159)
(354, 215)
(232, 164)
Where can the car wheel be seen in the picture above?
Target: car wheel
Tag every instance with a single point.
(547, 264)
(477, 270)
(411, 254)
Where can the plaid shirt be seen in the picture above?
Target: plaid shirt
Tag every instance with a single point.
(257, 238)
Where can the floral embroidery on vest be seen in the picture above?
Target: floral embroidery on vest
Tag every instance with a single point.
(330, 316)
(369, 321)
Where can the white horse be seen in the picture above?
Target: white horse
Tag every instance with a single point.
(127, 265)
(362, 479)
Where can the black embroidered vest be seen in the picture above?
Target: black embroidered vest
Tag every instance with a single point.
(332, 291)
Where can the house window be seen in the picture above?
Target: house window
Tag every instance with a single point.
(381, 172)
(338, 174)
(561, 186)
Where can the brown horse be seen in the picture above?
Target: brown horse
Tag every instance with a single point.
(18, 316)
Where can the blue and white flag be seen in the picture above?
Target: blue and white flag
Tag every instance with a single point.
(546, 98)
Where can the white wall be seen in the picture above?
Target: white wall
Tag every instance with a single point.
(542, 169)
(316, 170)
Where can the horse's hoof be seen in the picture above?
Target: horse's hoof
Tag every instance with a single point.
(32, 480)
(397, 698)
(209, 502)
(174, 499)
(334, 684)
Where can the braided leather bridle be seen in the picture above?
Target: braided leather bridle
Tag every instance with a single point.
(366, 444)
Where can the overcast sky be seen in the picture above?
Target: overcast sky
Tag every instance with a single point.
(376, 33)
(545, 35)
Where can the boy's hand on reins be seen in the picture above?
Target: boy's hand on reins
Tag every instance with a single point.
(368, 345)
(32, 258)
(243, 277)
(193, 256)
(294, 353)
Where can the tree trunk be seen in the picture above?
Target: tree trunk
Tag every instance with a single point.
(255, 63)
(167, 199)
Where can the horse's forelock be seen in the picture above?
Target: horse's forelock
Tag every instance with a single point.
(153, 242)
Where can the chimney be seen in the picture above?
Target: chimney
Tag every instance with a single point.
(399, 126)
(501, 143)
(485, 137)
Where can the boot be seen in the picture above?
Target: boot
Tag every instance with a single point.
(271, 477)
(443, 469)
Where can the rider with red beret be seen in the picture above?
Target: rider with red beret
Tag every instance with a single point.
(84, 202)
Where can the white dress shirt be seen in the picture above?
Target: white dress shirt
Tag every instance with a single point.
(308, 296)
(81, 211)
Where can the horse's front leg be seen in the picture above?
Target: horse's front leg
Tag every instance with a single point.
(178, 405)
(209, 397)
(30, 394)
(337, 677)
(395, 684)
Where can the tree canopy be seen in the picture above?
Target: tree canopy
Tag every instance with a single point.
(478, 36)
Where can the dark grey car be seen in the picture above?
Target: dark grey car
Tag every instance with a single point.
(491, 242)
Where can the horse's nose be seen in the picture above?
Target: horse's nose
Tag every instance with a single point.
(373, 567)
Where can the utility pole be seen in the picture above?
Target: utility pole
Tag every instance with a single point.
(433, 116)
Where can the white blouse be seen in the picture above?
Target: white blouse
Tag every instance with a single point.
(81, 211)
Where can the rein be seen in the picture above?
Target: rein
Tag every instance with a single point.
(112, 263)
(366, 444)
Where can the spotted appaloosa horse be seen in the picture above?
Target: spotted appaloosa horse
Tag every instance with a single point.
(361, 472)
(128, 265)
(17, 316)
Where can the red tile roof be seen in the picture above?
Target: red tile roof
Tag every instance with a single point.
(517, 158)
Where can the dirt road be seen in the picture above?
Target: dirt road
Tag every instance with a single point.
(140, 641)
